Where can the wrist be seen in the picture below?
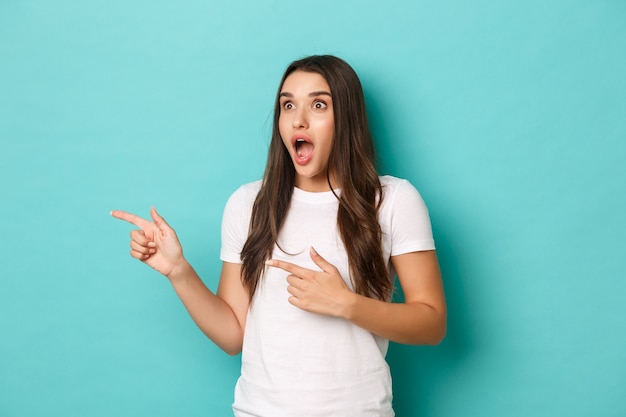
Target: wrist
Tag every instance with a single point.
(180, 272)
(349, 305)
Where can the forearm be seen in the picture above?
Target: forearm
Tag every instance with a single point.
(211, 314)
(413, 323)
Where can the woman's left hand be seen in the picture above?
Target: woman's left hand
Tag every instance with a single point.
(322, 292)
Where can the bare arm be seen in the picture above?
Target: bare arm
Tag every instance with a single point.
(421, 319)
(221, 317)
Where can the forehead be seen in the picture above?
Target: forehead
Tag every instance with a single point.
(303, 82)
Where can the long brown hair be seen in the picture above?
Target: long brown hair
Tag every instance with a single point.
(351, 160)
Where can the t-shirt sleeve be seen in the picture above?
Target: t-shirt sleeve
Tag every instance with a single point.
(410, 223)
(235, 223)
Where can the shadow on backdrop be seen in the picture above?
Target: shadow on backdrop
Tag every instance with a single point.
(419, 372)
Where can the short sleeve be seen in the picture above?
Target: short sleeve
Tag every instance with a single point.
(236, 222)
(409, 220)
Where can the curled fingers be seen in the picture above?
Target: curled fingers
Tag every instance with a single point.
(140, 246)
(140, 237)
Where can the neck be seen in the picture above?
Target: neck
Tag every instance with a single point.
(317, 185)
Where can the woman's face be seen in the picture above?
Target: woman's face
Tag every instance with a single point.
(307, 124)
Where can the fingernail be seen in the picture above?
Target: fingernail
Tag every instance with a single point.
(151, 244)
(313, 251)
(269, 262)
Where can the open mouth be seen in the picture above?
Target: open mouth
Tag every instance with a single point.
(303, 148)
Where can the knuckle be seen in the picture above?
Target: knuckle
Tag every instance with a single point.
(136, 234)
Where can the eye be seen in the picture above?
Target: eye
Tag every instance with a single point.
(288, 105)
(319, 105)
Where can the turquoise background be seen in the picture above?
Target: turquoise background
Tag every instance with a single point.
(509, 116)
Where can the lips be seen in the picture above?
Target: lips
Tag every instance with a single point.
(303, 149)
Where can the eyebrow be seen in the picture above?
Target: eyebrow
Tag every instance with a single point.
(311, 94)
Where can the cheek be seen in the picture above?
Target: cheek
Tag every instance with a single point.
(330, 128)
(329, 133)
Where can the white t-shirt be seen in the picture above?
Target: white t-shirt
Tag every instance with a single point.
(297, 363)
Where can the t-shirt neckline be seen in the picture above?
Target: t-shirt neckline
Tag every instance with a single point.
(315, 197)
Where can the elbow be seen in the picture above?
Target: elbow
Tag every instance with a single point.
(230, 346)
(443, 329)
(429, 329)
(231, 349)
(232, 352)
(438, 332)
(438, 336)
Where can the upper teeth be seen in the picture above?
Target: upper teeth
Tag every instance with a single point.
(298, 142)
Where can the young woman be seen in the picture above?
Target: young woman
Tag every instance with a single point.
(309, 254)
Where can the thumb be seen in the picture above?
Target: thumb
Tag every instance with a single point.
(320, 261)
(160, 222)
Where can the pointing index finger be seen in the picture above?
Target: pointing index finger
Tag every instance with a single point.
(289, 267)
(131, 218)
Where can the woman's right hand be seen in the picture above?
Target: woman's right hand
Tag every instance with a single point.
(155, 243)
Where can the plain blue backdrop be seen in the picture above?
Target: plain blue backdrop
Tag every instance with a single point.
(508, 116)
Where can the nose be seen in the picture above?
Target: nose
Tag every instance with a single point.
(299, 119)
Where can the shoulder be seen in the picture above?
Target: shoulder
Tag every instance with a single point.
(238, 210)
(394, 186)
(235, 221)
(399, 195)
(245, 194)
(404, 218)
